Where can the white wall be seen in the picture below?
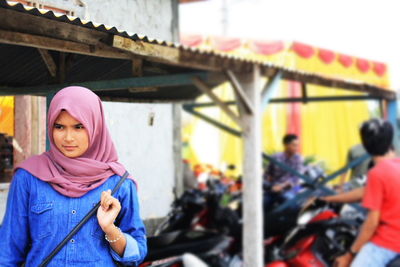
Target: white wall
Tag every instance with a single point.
(146, 151)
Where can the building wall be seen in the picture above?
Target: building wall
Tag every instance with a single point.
(146, 151)
(155, 18)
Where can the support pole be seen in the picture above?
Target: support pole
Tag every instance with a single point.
(392, 117)
(270, 90)
(252, 173)
(49, 97)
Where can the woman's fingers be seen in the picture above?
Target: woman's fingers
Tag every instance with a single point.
(103, 199)
(107, 200)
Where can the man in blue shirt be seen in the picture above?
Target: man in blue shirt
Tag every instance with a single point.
(280, 179)
(282, 184)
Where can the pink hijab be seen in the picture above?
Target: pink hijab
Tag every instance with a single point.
(73, 177)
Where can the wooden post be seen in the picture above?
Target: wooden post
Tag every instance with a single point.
(392, 117)
(23, 128)
(49, 97)
(252, 172)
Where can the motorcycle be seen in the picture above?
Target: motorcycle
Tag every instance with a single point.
(321, 235)
(199, 210)
(199, 224)
(169, 249)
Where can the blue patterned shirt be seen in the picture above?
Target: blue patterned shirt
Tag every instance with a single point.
(38, 218)
(279, 175)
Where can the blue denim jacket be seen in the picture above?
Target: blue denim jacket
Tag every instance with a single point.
(38, 218)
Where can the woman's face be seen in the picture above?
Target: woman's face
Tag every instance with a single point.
(69, 135)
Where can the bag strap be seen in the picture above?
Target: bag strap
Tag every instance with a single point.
(80, 224)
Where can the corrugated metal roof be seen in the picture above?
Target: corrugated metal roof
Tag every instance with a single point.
(80, 22)
(38, 76)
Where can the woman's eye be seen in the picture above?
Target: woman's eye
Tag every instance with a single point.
(79, 126)
(58, 126)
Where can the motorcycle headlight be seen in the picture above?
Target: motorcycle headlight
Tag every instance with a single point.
(305, 218)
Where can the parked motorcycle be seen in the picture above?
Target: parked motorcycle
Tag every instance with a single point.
(200, 224)
(169, 249)
(197, 210)
(321, 235)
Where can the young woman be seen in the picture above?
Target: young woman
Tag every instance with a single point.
(50, 193)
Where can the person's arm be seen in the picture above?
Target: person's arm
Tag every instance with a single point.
(14, 230)
(372, 200)
(132, 226)
(352, 196)
(278, 187)
(366, 232)
(106, 215)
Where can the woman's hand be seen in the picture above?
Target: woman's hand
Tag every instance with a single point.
(108, 211)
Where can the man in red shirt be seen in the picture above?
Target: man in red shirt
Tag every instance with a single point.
(379, 239)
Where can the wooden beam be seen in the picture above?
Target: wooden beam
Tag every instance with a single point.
(141, 48)
(241, 96)
(281, 100)
(270, 89)
(48, 61)
(113, 85)
(148, 100)
(137, 67)
(136, 90)
(212, 121)
(172, 55)
(334, 83)
(23, 39)
(240, 106)
(203, 87)
(304, 92)
(62, 71)
(15, 21)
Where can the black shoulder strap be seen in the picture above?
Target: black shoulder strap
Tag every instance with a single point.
(80, 224)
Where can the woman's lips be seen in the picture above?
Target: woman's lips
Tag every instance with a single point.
(69, 148)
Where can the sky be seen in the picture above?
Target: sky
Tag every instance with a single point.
(362, 28)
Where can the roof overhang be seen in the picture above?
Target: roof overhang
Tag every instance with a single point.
(44, 52)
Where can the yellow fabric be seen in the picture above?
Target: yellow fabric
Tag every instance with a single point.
(7, 115)
(329, 129)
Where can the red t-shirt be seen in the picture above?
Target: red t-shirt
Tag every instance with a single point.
(383, 194)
